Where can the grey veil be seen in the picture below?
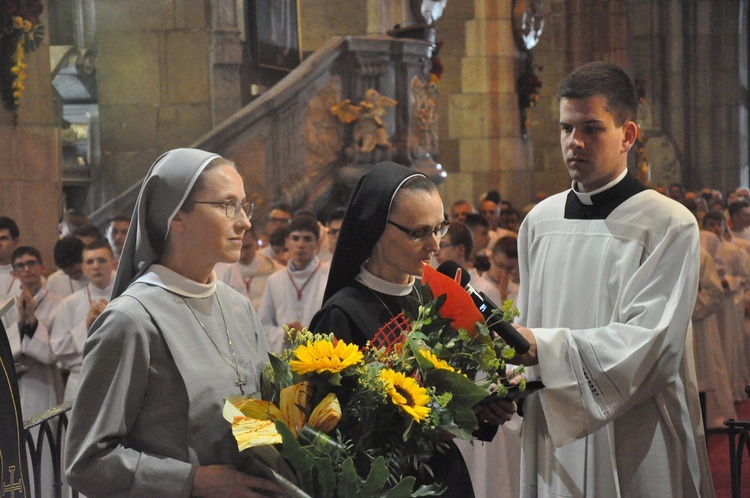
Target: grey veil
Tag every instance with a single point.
(164, 189)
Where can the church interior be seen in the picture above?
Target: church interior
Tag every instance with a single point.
(112, 85)
(304, 96)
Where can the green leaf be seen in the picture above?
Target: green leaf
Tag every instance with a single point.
(403, 489)
(377, 478)
(350, 483)
(281, 371)
(465, 391)
(429, 490)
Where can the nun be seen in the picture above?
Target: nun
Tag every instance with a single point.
(171, 345)
(392, 228)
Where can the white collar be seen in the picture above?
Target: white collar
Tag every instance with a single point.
(101, 293)
(383, 286)
(163, 277)
(585, 197)
(302, 273)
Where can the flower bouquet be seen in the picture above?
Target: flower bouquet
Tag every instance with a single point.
(367, 422)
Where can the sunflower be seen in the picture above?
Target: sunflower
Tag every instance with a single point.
(436, 362)
(406, 394)
(323, 356)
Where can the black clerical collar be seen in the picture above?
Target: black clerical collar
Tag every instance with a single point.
(603, 203)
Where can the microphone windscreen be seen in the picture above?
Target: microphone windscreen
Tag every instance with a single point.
(449, 268)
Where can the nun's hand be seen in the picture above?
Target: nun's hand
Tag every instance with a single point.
(226, 480)
(496, 412)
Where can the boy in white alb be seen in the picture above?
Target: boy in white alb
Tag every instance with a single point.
(79, 310)
(9, 238)
(295, 294)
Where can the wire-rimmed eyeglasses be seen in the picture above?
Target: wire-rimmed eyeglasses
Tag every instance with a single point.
(232, 207)
(423, 233)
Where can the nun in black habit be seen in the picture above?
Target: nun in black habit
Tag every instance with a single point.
(392, 227)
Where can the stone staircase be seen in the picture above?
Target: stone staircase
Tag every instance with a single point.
(290, 147)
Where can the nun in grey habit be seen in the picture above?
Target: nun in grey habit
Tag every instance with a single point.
(170, 346)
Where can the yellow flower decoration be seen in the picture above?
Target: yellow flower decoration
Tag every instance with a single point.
(323, 356)
(436, 362)
(407, 394)
(258, 425)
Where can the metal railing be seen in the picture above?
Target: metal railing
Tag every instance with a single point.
(50, 430)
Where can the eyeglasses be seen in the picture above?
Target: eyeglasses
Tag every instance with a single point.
(232, 207)
(423, 233)
(280, 221)
(25, 264)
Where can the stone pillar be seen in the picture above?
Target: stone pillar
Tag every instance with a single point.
(484, 117)
(226, 63)
(30, 158)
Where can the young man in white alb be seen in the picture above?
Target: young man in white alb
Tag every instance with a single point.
(295, 294)
(79, 310)
(9, 239)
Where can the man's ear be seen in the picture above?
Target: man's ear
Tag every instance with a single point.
(629, 136)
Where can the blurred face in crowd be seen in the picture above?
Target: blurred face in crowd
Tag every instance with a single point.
(491, 211)
(481, 238)
(7, 245)
(501, 264)
(448, 251)
(741, 219)
(28, 270)
(277, 218)
(714, 226)
(302, 246)
(509, 220)
(459, 211)
(98, 265)
(334, 228)
(116, 234)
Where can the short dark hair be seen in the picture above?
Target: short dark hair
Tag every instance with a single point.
(737, 206)
(305, 223)
(26, 250)
(119, 217)
(605, 79)
(281, 206)
(713, 215)
(99, 244)
(474, 220)
(335, 215)
(9, 225)
(494, 196)
(278, 236)
(88, 231)
(506, 245)
(68, 251)
(460, 234)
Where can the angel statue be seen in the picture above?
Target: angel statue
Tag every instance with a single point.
(367, 116)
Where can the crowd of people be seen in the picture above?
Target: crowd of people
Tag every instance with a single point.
(176, 307)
